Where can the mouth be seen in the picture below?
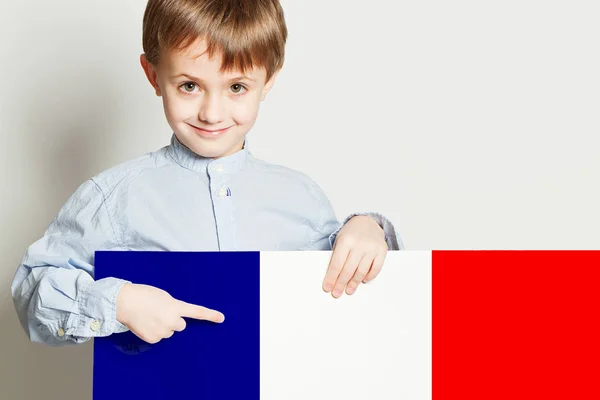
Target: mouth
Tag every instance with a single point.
(210, 133)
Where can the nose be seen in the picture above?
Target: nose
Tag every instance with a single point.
(210, 109)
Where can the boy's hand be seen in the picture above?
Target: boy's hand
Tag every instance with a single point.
(152, 314)
(358, 255)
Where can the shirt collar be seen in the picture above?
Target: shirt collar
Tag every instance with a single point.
(190, 160)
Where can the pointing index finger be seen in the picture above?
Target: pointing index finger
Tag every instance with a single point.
(198, 312)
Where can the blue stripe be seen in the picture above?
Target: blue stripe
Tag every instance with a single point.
(206, 360)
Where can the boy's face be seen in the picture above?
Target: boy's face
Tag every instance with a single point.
(209, 112)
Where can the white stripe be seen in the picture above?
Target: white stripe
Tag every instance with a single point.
(375, 344)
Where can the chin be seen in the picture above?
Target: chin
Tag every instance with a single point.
(211, 150)
(207, 151)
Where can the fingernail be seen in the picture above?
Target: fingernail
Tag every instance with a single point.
(327, 287)
(350, 290)
(337, 292)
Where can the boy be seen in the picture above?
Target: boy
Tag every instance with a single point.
(212, 62)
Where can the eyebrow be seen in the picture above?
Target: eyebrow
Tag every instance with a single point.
(238, 78)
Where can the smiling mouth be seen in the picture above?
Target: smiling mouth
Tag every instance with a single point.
(210, 133)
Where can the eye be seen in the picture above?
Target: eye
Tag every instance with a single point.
(237, 88)
(188, 87)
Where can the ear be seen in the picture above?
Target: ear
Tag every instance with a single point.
(269, 85)
(150, 73)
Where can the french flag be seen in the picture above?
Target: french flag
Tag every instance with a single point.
(432, 325)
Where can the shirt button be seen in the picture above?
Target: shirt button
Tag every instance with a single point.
(219, 168)
(223, 192)
(61, 332)
(95, 325)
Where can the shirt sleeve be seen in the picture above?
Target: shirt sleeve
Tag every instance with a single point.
(328, 227)
(55, 295)
(392, 237)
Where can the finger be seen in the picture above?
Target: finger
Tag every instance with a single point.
(338, 258)
(146, 338)
(179, 325)
(199, 312)
(347, 273)
(376, 268)
(150, 339)
(361, 272)
(168, 334)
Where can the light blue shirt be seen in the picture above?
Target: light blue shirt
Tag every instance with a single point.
(168, 200)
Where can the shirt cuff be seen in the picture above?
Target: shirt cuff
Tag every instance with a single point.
(392, 238)
(97, 314)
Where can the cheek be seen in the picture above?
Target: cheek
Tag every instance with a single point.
(178, 109)
(246, 112)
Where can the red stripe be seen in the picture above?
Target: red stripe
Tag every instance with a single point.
(516, 325)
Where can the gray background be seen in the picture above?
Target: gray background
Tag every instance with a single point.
(472, 125)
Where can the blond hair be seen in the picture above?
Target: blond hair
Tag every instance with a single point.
(247, 33)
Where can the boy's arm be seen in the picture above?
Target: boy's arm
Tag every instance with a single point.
(55, 295)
